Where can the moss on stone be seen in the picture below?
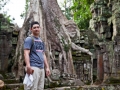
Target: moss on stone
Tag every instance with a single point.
(53, 84)
(3, 74)
(11, 81)
(112, 80)
(21, 88)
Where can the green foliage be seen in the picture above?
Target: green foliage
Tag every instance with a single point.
(66, 8)
(68, 13)
(66, 45)
(5, 22)
(112, 80)
(78, 10)
(81, 12)
(3, 3)
(7, 17)
(22, 15)
(26, 8)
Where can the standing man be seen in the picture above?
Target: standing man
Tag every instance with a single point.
(35, 58)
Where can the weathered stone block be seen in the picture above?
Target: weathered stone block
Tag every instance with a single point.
(104, 28)
(55, 75)
(14, 40)
(99, 2)
(108, 35)
(93, 24)
(105, 12)
(102, 18)
(115, 6)
(93, 7)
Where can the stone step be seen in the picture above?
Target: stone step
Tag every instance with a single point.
(17, 86)
(65, 88)
(88, 87)
(11, 81)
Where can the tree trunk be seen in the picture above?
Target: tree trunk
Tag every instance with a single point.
(57, 32)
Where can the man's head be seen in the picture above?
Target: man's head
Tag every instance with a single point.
(35, 28)
(34, 22)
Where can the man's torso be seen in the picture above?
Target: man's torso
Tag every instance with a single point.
(36, 48)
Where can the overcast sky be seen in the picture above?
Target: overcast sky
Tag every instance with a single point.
(15, 8)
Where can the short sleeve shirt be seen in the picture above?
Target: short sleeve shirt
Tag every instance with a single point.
(37, 49)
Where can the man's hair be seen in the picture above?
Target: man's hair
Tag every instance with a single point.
(34, 22)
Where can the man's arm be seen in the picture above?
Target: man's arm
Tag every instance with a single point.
(46, 66)
(27, 61)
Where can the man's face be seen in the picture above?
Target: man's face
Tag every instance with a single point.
(35, 29)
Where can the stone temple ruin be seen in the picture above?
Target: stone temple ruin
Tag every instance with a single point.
(102, 38)
(8, 42)
(105, 25)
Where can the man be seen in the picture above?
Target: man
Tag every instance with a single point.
(35, 57)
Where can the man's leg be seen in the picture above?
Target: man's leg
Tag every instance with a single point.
(35, 78)
(41, 80)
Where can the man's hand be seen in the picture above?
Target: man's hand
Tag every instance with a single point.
(29, 70)
(47, 71)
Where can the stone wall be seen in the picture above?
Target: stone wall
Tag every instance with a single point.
(105, 24)
(8, 42)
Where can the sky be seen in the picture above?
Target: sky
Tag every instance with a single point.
(15, 7)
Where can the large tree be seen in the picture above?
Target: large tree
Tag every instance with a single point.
(58, 33)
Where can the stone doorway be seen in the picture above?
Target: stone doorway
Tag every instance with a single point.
(83, 70)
